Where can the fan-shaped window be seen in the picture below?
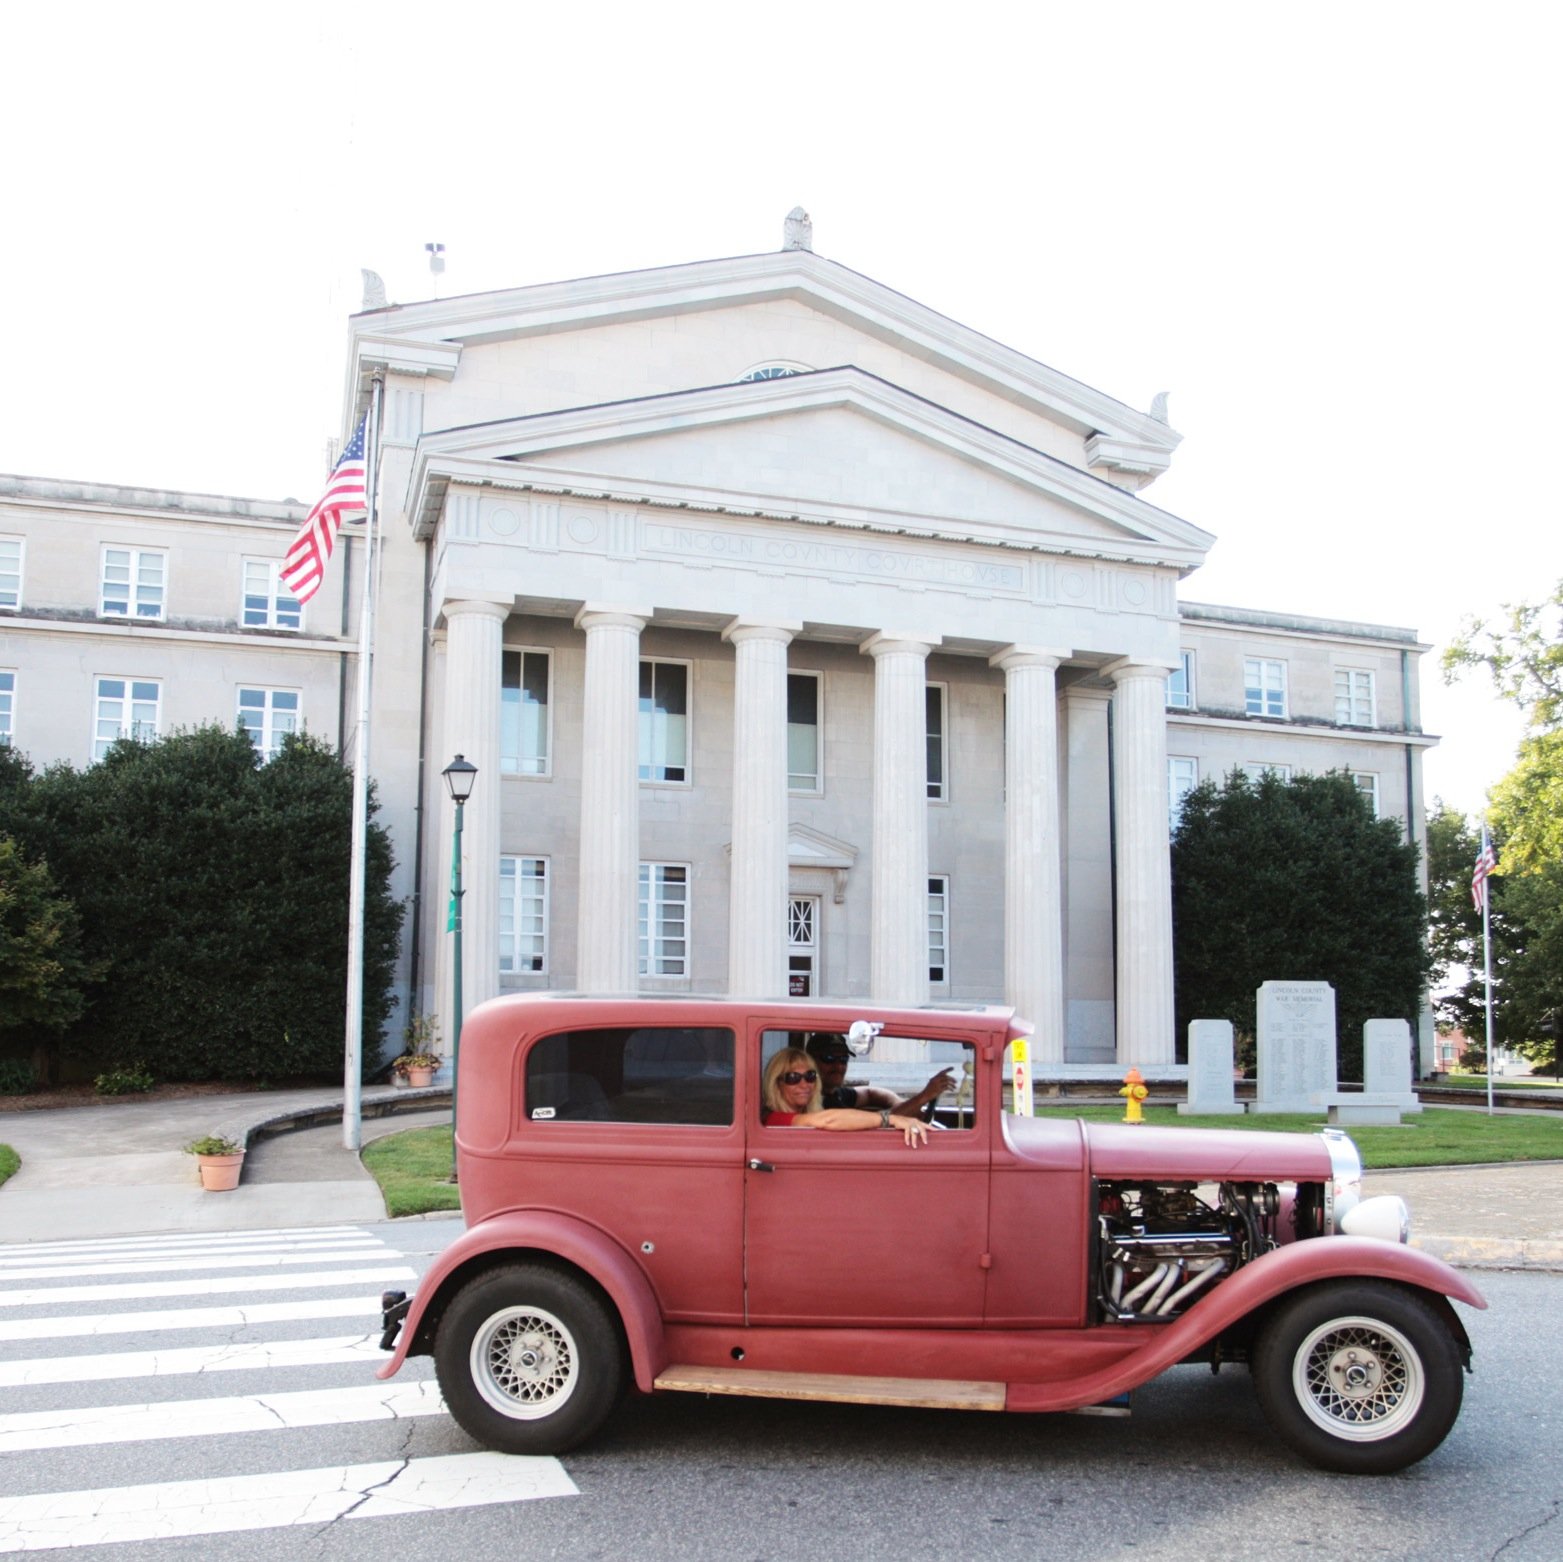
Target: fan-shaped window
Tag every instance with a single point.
(773, 371)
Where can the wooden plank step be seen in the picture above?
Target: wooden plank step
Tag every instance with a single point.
(842, 1388)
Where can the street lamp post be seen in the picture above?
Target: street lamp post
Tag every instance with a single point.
(460, 776)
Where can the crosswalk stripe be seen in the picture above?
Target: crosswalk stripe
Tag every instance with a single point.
(166, 1510)
(219, 1285)
(194, 1240)
(25, 1430)
(154, 1265)
(191, 1358)
(238, 1316)
(91, 1260)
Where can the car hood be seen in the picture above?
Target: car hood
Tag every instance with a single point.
(1135, 1150)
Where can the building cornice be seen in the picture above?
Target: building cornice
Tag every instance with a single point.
(1302, 729)
(1144, 443)
(110, 629)
(49, 493)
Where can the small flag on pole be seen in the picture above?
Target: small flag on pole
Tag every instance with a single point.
(305, 565)
(1486, 861)
(453, 916)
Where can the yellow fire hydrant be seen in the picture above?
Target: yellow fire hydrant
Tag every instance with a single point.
(1134, 1092)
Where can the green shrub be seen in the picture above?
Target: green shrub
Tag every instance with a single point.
(124, 1081)
(17, 1077)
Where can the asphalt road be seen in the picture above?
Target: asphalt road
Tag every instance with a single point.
(1194, 1474)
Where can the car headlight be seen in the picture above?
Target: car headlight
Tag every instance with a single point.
(1383, 1217)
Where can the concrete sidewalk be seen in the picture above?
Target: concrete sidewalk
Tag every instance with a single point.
(117, 1169)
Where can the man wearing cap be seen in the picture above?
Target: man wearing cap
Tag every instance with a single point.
(830, 1052)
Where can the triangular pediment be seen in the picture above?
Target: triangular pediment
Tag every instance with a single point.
(808, 848)
(836, 446)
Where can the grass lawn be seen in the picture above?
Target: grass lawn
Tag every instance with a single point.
(412, 1168)
(1502, 1082)
(9, 1161)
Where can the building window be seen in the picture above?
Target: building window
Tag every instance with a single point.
(126, 708)
(1366, 782)
(1264, 687)
(1182, 778)
(664, 919)
(10, 571)
(268, 604)
(7, 708)
(664, 721)
(935, 707)
(803, 766)
(772, 371)
(938, 928)
(1354, 700)
(132, 584)
(1180, 683)
(1256, 768)
(523, 713)
(523, 914)
(268, 715)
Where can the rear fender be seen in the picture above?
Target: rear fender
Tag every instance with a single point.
(520, 1234)
(1252, 1288)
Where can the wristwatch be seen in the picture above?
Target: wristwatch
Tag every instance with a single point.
(884, 1117)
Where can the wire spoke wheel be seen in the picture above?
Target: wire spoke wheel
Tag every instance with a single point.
(1358, 1378)
(525, 1362)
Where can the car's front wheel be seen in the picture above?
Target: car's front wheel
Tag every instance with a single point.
(1361, 1376)
(529, 1359)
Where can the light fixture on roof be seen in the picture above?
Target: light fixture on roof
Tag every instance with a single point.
(436, 257)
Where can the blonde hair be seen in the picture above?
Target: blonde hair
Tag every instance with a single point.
(789, 1057)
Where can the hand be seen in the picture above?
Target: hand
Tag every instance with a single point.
(942, 1081)
(913, 1129)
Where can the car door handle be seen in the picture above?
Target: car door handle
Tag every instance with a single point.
(761, 1166)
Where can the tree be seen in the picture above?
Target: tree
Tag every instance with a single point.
(213, 892)
(42, 972)
(1524, 656)
(1295, 881)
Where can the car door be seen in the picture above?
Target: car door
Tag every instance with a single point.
(855, 1228)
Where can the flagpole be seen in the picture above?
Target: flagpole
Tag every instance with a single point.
(352, 1066)
(1487, 967)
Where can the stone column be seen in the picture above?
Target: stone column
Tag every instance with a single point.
(473, 655)
(1143, 863)
(757, 899)
(898, 960)
(1033, 926)
(606, 948)
(1086, 808)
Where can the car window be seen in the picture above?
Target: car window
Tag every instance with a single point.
(644, 1074)
(900, 1064)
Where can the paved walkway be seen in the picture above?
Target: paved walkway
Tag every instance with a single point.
(117, 1169)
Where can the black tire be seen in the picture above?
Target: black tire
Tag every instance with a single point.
(1359, 1376)
(529, 1359)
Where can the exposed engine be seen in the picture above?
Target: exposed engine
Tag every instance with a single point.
(1162, 1245)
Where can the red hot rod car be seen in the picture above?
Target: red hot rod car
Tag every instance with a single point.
(634, 1215)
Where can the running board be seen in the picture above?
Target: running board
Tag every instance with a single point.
(921, 1393)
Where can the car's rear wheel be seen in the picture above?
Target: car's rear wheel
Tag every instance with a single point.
(1362, 1377)
(529, 1359)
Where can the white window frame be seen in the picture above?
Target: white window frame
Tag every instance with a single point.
(655, 885)
(652, 734)
(279, 605)
(1182, 699)
(1175, 792)
(128, 725)
(939, 791)
(939, 929)
(1356, 692)
(1255, 768)
(137, 558)
(268, 737)
(12, 565)
(533, 766)
(523, 951)
(800, 781)
(1261, 691)
(7, 706)
(1366, 782)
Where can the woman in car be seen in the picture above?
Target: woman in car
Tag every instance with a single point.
(791, 1098)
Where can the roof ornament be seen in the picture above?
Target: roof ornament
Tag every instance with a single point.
(374, 290)
(798, 232)
(1159, 406)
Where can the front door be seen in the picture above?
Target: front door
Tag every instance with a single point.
(802, 946)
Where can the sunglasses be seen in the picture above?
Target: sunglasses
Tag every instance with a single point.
(795, 1077)
(832, 1057)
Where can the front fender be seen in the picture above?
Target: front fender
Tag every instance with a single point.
(1253, 1286)
(550, 1235)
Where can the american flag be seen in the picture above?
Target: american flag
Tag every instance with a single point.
(1486, 861)
(305, 565)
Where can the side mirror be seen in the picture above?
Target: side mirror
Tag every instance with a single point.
(860, 1037)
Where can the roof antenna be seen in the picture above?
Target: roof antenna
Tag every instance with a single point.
(436, 253)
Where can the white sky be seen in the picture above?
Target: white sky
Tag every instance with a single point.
(1327, 230)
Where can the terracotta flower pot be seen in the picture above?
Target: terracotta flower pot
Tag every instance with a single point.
(220, 1173)
(420, 1076)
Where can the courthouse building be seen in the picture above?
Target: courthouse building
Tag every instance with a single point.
(804, 639)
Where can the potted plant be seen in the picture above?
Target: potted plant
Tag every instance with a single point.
(417, 1064)
(219, 1160)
